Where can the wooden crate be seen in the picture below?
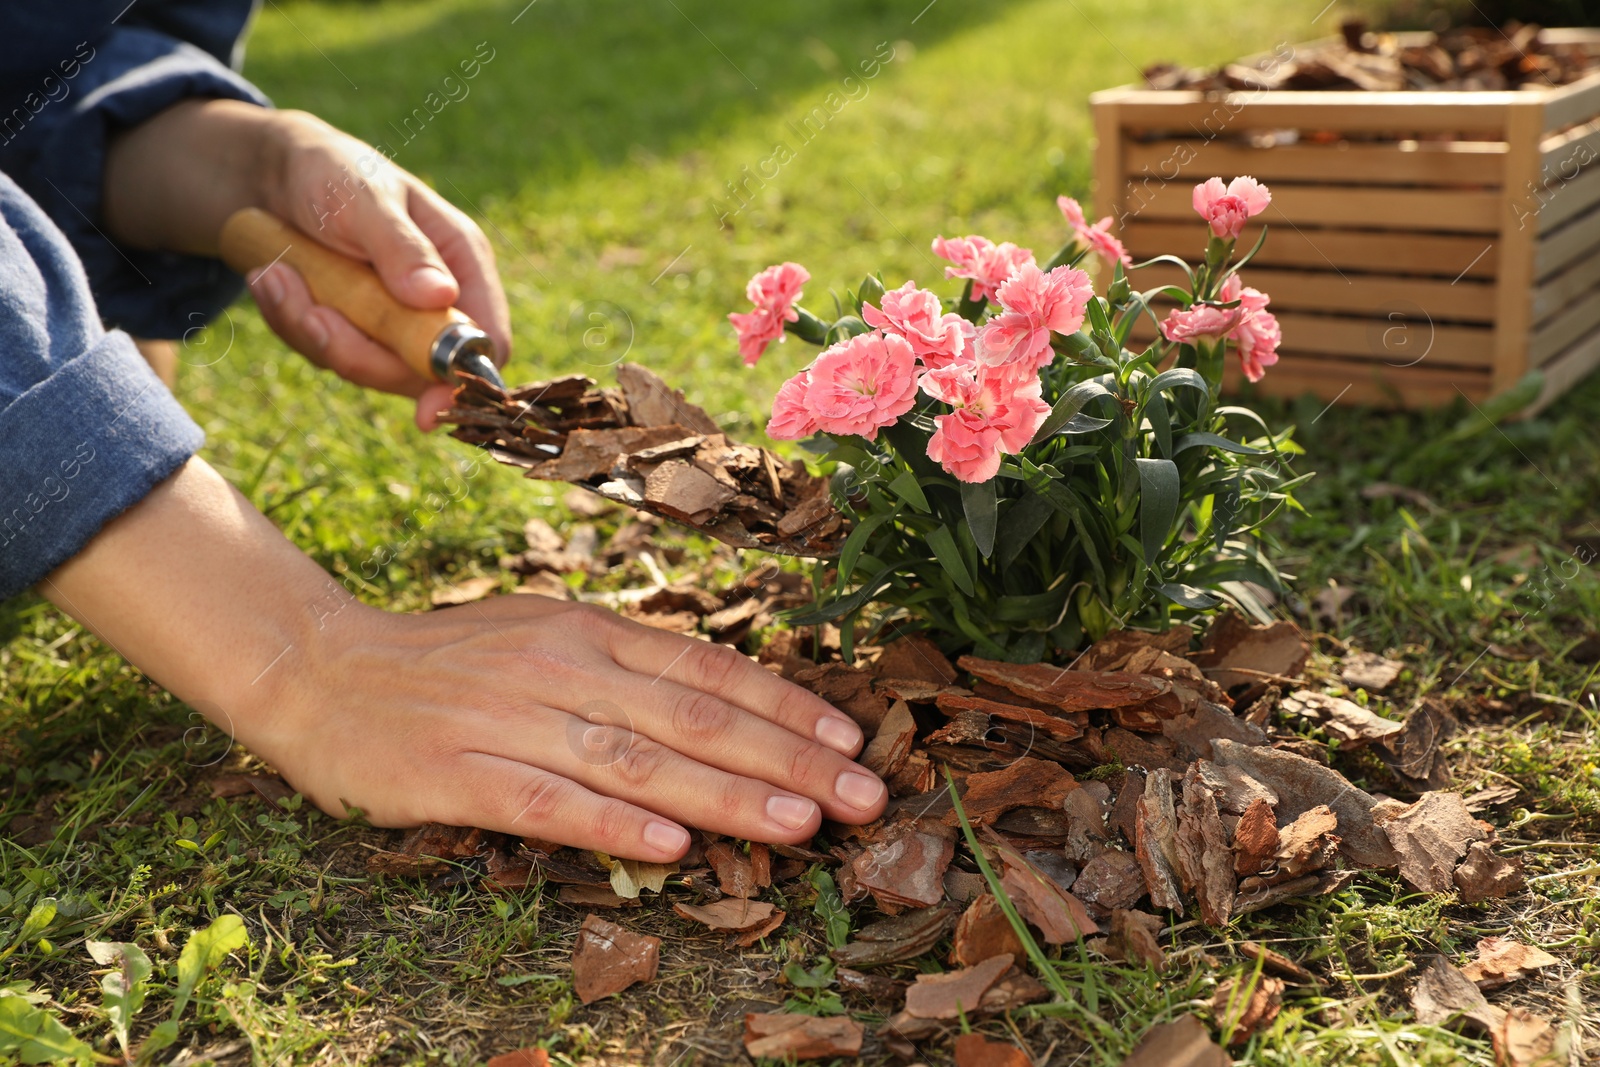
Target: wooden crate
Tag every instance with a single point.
(1424, 245)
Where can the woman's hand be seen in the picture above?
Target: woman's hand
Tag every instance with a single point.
(522, 714)
(560, 721)
(174, 179)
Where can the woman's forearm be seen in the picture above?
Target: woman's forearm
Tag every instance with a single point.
(204, 594)
(172, 180)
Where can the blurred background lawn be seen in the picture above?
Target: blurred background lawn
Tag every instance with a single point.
(596, 145)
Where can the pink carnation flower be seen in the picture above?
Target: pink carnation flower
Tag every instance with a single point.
(987, 264)
(756, 330)
(1035, 304)
(774, 292)
(863, 384)
(791, 419)
(994, 414)
(1227, 207)
(1186, 325)
(1250, 325)
(936, 338)
(1098, 236)
(1257, 334)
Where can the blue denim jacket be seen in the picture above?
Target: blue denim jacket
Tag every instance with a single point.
(86, 429)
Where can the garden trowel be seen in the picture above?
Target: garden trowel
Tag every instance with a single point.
(439, 344)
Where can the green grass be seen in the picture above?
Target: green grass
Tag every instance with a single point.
(594, 144)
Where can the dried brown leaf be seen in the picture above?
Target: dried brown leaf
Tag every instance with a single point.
(1502, 960)
(1486, 875)
(1244, 1006)
(1255, 839)
(608, 959)
(1351, 723)
(729, 913)
(1243, 658)
(1368, 670)
(1155, 841)
(1184, 1042)
(983, 932)
(945, 996)
(1302, 784)
(975, 1050)
(783, 1036)
(1430, 837)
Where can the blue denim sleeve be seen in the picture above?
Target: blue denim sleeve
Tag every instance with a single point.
(54, 129)
(86, 428)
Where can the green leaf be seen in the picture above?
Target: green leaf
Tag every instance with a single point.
(830, 907)
(202, 952)
(1225, 510)
(1187, 596)
(163, 1035)
(908, 488)
(1155, 409)
(1025, 519)
(982, 507)
(1188, 270)
(122, 991)
(1071, 402)
(40, 916)
(1158, 504)
(34, 1035)
(1211, 440)
(1179, 376)
(850, 551)
(844, 605)
(943, 543)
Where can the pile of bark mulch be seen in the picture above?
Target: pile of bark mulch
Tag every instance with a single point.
(643, 445)
(1464, 59)
(1161, 779)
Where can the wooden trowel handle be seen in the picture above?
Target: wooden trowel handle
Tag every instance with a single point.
(253, 238)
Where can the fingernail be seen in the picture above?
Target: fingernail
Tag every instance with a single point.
(270, 284)
(857, 789)
(315, 330)
(790, 812)
(430, 278)
(841, 735)
(666, 837)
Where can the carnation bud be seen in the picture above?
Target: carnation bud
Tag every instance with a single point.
(871, 292)
(846, 328)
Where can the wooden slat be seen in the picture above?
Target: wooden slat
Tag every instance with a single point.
(1588, 36)
(1565, 371)
(1394, 342)
(1448, 211)
(1574, 148)
(1349, 112)
(1513, 298)
(1440, 255)
(1108, 161)
(1578, 102)
(1563, 329)
(1559, 290)
(1345, 382)
(1359, 294)
(1410, 163)
(1565, 245)
(1563, 200)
